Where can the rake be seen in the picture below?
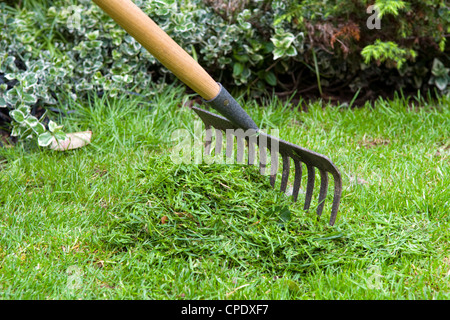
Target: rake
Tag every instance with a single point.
(236, 123)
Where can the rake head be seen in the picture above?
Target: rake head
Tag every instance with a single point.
(277, 147)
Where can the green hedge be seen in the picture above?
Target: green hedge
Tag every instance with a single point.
(52, 47)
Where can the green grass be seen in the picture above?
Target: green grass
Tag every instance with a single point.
(87, 224)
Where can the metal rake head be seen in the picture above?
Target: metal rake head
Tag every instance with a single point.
(277, 147)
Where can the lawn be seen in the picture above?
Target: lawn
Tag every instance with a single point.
(118, 219)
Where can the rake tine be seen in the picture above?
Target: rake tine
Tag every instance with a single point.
(309, 186)
(229, 145)
(285, 174)
(273, 167)
(240, 149)
(251, 152)
(336, 198)
(208, 139)
(323, 191)
(219, 141)
(262, 160)
(297, 179)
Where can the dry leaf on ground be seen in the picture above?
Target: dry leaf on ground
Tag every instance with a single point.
(74, 140)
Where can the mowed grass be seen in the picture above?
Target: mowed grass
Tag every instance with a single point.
(119, 219)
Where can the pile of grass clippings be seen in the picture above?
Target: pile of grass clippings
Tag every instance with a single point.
(231, 212)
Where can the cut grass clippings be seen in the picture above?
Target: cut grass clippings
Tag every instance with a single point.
(118, 219)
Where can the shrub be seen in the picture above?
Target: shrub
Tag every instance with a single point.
(400, 53)
(72, 47)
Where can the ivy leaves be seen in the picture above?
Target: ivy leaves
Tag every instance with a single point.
(440, 75)
(27, 126)
(55, 132)
(283, 44)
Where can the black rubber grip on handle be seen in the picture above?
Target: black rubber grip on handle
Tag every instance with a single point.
(230, 109)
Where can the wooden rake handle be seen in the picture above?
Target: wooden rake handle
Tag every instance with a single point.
(161, 46)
